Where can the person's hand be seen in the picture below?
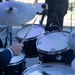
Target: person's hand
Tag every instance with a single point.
(16, 48)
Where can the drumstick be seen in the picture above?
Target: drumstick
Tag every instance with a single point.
(28, 31)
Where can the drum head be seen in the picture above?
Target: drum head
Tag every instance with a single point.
(52, 42)
(35, 31)
(17, 59)
(49, 69)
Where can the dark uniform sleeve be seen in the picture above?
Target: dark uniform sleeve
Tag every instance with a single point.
(5, 57)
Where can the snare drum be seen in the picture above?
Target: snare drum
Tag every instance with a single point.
(49, 69)
(16, 65)
(53, 47)
(30, 41)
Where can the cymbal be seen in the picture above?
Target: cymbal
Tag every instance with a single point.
(14, 13)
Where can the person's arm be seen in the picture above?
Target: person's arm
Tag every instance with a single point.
(5, 57)
(8, 53)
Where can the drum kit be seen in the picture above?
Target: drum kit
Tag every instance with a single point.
(54, 49)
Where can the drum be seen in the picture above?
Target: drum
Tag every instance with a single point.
(29, 48)
(49, 69)
(16, 65)
(53, 47)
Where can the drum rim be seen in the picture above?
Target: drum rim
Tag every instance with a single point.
(29, 25)
(43, 64)
(1, 49)
(51, 52)
(54, 52)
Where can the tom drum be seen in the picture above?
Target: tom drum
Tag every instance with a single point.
(53, 47)
(30, 41)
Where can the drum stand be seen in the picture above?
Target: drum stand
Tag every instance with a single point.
(8, 39)
(44, 12)
(43, 15)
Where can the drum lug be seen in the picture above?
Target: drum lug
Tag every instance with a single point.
(58, 57)
(24, 64)
(16, 71)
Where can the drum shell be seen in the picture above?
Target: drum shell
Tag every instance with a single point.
(29, 48)
(63, 57)
(15, 69)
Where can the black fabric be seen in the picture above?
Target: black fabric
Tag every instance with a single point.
(56, 11)
(5, 57)
(1, 44)
(53, 4)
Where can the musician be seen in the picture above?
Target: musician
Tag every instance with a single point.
(8, 53)
(57, 9)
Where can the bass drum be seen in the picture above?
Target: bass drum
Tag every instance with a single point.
(49, 69)
(29, 48)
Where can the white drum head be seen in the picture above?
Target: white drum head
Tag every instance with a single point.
(17, 59)
(49, 69)
(34, 31)
(52, 42)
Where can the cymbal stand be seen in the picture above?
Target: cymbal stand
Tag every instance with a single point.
(9, 35)
(43, 15)
(44, 12)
